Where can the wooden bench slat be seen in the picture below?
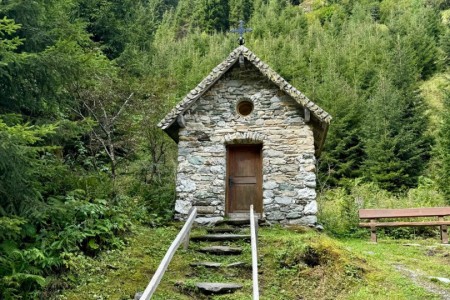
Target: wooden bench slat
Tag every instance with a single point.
(398, 224)
(404, 212)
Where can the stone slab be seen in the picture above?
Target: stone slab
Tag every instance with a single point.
(239, 264)
(206, 264)
(217, 287)
(221, 237)
(222, 230)
(221, 250)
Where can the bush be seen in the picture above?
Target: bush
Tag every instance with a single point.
(338, 207)
(32, 249)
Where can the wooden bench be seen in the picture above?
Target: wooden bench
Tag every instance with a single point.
(374, 214)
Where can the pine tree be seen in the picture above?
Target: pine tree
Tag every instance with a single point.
(444, 149)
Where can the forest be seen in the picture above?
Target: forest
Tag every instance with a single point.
(83, 84)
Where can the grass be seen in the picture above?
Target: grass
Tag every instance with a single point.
(296, 263)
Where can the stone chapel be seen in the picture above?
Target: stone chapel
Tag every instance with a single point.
(246, 136)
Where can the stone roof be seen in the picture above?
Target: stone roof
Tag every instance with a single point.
(320, 115)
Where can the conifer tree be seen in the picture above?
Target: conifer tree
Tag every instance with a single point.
(444, 149)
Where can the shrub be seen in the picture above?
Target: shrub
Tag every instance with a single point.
(338, 207)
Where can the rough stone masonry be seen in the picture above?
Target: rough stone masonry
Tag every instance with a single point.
(277, 122)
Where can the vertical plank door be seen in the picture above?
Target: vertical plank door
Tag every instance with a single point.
(244, 178)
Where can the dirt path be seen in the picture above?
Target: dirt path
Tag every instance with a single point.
(424, 282)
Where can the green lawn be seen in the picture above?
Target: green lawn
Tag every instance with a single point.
(296, 263)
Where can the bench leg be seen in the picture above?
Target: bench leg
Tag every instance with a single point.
(444, 234)
(373, 232)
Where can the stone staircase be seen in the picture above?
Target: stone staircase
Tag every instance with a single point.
(225, 254)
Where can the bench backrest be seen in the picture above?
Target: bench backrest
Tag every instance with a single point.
(404, 212)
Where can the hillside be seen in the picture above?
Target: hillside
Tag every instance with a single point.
(296, 263)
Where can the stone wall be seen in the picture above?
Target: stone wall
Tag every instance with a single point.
(277, 122)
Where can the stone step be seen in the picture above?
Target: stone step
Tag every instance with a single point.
(221, 250)
(210, 288)
(222, 230)
(234, 222)
(206, 264)
(239, 222)
(221, 237)
(239, 264)
(216, 265)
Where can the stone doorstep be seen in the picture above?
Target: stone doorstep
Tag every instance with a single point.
(238, 222)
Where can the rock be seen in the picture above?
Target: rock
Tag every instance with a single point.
(205, 210)
(307, 220)
(274, 153)
(268, 194)
(267, 201)
(440, 279)
(208, 221)
(206, 264)
(306, 193)
(196, 160)
(311, 208)
(277, 161)
(310, 168)
(221, 250)
(217, 287)
(283, 200)
(286, 187)
(239, 264)
(138, 295)
(182, 207)
(293, 215)
(275, 215)
(217, 169)
(275, 99)
(319, 227)
(186, 186)
(270, 185)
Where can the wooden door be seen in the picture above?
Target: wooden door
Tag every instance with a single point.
(244, 178)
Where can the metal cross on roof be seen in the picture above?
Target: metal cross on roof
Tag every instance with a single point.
(241, 30)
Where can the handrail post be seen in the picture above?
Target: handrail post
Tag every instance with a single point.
(151, 287)
(254, 253)
(188, 233)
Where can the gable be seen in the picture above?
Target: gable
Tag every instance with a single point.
(319, 119)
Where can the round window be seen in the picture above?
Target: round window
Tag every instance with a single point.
(245, 107)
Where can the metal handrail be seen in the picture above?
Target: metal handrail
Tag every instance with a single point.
(183, 236)
(254, 241)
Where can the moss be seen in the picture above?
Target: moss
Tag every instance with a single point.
(294, 264)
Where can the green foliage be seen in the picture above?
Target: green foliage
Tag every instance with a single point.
(19, 165)
(338, 207)
(83, 84)
(444, 150)
(63, 225)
